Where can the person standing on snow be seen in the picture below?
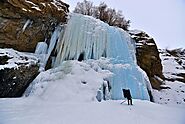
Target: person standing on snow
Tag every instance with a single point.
(127, 94)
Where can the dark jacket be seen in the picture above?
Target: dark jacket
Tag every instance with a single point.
(126, 93)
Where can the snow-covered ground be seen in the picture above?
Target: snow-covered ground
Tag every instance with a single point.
(67, 95)
(39, 111)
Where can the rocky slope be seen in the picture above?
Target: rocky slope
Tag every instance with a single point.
(174, 64)
(148, 57)
(23, 23)
(173, 91)
(17, 70)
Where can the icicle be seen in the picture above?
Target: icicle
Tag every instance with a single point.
(53, 41)
(45, 51)
(26, 25)
(41, 48)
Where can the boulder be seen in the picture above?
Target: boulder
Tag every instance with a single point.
(148, 58)
(23, 23)
(17, 71)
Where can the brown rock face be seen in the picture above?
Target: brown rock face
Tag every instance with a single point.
(148, 57)
(23, 23)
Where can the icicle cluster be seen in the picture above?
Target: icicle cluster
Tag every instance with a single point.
(88, 38)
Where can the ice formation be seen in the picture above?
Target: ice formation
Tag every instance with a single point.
(41, 48)
(45, 50)
(54, 38)
(88, 38)
(28, 22)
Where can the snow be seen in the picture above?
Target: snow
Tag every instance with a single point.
(39, 111)
(36, 7)
(17, 59)
(135, 31)
(150, 44)
(44, 4)
(174, 95)
(24, 9)
(170, 65)
(139, 44)
(68, 78)
(27, 1)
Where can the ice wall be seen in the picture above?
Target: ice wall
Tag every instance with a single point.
(44, 50)
(87, 38)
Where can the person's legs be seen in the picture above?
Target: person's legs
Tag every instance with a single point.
(131, 101)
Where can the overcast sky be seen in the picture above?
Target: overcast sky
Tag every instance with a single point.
(164, 20)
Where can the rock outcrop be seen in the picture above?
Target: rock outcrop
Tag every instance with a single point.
(17, 71)
(173, 87)
(148, 57)
(174, 64)
(23, 23)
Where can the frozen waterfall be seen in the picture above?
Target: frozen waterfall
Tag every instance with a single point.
(87, 38)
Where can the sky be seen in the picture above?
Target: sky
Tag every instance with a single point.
(164, 20)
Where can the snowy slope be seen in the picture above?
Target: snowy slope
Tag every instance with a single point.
(174, 93)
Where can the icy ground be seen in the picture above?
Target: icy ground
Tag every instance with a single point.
(39, 111)
(67, 95)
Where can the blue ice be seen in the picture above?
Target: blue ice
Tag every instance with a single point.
(95, 39)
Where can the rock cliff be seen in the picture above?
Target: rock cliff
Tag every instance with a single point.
(148, 57)
(23, 23)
